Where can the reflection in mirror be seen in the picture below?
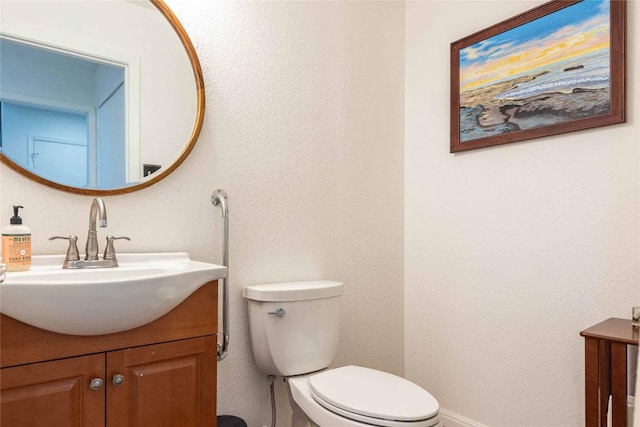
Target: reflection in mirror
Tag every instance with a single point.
(72, 110)
(93, 108)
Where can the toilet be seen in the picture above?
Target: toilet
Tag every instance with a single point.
(294, 331)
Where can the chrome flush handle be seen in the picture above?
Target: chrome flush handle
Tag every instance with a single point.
(279, 312)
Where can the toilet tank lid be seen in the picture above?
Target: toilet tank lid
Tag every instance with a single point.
(293, 291)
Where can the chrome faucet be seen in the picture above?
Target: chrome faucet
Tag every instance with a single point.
(97, 208)
(72, 260)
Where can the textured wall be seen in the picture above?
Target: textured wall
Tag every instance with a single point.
(304, 130)
(510, 251)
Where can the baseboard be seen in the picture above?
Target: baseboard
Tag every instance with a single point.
(451, 419)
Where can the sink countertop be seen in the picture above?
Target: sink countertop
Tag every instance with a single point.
(96, 301)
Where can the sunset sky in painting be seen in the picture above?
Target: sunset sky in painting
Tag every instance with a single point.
(567, 33)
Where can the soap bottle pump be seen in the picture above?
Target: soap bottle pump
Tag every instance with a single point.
(16, 244)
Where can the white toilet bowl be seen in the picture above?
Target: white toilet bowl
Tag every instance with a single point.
(353, 396)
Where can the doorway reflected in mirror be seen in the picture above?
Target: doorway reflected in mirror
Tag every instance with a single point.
(63, 116)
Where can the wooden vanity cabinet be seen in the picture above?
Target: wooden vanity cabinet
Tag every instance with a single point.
(165, 385)
(162, 374)
(53, 394)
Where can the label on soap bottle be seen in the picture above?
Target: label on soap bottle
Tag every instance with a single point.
(16, 251)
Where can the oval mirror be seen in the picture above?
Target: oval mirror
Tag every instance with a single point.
(97, 97)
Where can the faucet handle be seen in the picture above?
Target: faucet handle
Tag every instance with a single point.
(72, 250)
(109, 251)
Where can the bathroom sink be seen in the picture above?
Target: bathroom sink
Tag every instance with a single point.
(103, 300)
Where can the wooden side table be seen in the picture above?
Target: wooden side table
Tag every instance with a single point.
(605, 363)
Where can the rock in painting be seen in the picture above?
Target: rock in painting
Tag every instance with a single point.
(575, 67)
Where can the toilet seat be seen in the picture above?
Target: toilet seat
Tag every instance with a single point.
(370, 397)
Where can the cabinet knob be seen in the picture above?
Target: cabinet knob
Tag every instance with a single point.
(117, 380)
(96, 384)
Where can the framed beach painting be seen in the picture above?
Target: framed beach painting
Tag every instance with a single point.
(557, 68)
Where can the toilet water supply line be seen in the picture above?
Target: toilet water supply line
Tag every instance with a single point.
(272, 390)
(219, 198)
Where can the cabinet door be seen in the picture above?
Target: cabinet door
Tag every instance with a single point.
(53, 394)
(164, 385)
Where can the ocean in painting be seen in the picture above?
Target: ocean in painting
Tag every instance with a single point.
(590, 71)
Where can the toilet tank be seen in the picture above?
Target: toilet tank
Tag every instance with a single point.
(294, 326)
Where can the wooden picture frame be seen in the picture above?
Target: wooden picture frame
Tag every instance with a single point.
(556, 68)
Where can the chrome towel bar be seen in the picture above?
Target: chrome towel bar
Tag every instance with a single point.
(219, 198)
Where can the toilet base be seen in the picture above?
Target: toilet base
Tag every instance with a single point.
(298, 417)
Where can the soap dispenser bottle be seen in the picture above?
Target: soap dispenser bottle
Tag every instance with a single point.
(16, 244)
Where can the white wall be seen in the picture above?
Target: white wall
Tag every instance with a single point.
(510, 251)
(304, 129)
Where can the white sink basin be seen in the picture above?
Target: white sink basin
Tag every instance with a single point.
(104, 300)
